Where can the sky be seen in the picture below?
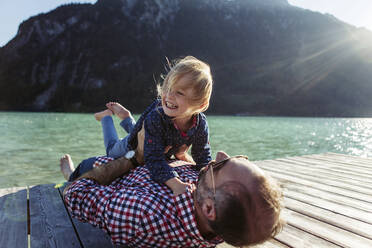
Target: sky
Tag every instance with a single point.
(355, 12)
(13, 12)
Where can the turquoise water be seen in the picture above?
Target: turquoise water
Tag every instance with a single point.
(32, 143)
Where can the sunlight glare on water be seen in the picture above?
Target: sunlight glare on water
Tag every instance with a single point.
(275, 137)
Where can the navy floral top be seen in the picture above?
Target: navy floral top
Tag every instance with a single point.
(161, 132)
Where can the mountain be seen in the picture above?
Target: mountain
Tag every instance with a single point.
(267, 57)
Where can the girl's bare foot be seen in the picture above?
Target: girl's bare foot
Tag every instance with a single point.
(67, 166)
(118, 110)
(100, 115)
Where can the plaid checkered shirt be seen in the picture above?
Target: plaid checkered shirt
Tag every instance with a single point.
(138, 212)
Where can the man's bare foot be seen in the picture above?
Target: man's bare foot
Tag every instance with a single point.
(100, 115)
(118, 110)
(67, 166)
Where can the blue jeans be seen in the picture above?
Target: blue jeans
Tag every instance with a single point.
(84, 166)
(114, 146)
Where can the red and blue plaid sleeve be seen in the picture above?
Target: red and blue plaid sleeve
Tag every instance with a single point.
(86, 200)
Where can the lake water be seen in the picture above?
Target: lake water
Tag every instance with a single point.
(32, 143)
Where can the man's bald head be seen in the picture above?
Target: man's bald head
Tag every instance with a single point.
(247, 202)
(265, 201)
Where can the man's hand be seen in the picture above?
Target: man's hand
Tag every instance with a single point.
(177, 186)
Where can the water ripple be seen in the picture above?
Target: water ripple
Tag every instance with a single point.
(32, 143)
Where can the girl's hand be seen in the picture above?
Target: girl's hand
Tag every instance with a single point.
(180, 188)
(177, 186)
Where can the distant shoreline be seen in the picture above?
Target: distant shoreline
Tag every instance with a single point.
(246, 114)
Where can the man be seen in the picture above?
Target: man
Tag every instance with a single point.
(231, 200)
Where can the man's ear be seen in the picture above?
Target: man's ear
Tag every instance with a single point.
(221, 155)
(208, 209)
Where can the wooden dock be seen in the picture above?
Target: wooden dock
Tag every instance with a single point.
(328, 203)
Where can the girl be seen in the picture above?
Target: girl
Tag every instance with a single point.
(169, 126)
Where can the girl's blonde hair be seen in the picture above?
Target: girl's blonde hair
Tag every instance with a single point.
(200, 79)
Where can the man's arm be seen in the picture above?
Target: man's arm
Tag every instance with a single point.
(107, 173)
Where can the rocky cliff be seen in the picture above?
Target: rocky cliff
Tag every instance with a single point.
(267, 57)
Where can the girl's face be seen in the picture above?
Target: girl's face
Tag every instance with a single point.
(175, 102)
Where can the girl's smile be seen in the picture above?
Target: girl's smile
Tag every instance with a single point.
(176, 101)
(170, 105)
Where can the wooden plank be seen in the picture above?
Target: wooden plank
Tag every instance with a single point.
(336, 167)
(322, 184)
(331, 206)
(326, 231)
(90, 236)
(292, 186)
(360, 162)
(50, 224)
(321, 174)
(12, 190)
(350, 165)
(295, 237)
(346, 166)
(327, 168)
(13, 217)
(329, 196)
(311, 181)
(272, 243)
(316, 162)
(360, 184)
(336, 219)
